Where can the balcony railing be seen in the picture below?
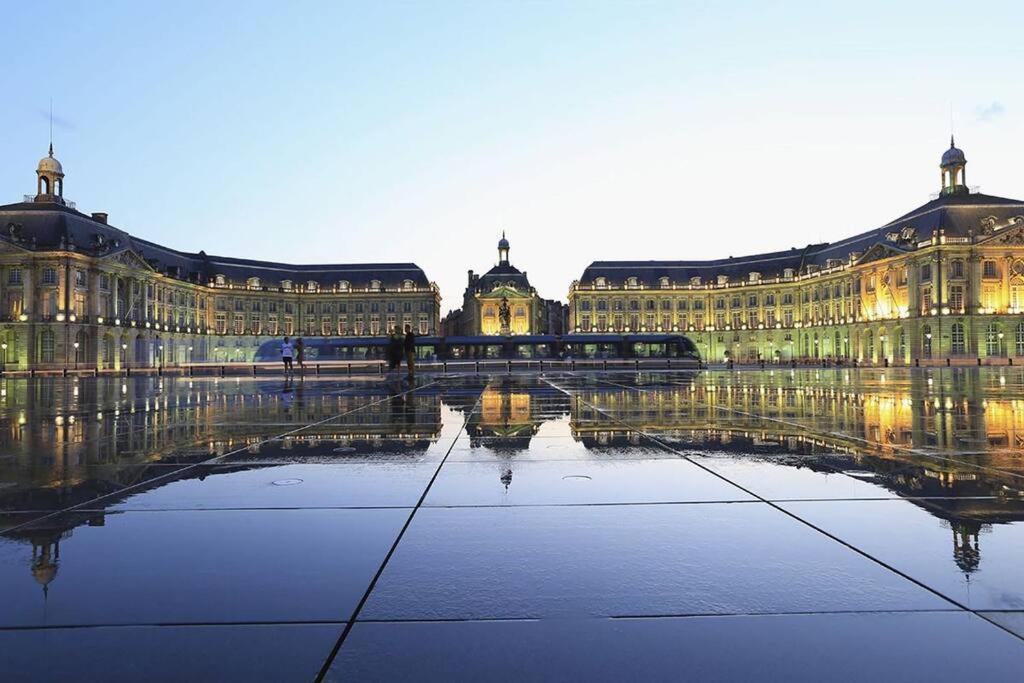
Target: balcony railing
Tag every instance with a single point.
(29, 198)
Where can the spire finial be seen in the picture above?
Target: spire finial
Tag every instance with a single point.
(952, 144)
(51, 126)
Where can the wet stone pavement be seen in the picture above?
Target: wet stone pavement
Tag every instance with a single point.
(702, 525)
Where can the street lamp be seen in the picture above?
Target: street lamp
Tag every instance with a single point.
(4, 365)
(76, 354)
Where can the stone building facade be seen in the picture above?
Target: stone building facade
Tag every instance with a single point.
(77, 292)
(503, 302)
(945, 280)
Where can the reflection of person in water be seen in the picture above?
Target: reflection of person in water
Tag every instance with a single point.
(287, 397)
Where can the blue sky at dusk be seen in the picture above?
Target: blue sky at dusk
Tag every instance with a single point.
(345, 132)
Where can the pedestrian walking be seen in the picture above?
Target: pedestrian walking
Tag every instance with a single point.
(300, 356)
(394, 350)
(287, 353)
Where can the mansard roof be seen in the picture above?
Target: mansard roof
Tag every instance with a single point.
(956, 215)
(51, 226)
(502, 274)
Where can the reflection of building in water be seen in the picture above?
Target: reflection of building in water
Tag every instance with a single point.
(882, 427)
(59, 456)
(64, 442)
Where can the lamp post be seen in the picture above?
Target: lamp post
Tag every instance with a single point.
(3, 366)
(124, 353)
(190, 355)
(76, 354)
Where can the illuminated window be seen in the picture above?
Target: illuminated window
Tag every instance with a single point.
(956, 297)
(14, 276)
(958, 343)
(1019, 339)
(46, 345)
(956, 268)
(49, 276)
(990, 269)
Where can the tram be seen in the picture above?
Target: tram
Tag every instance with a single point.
(576, 346)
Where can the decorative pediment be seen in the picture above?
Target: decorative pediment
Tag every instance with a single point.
(505, 292)
(131, 259)
(7, 247)
(1011, 236)
(878, 252)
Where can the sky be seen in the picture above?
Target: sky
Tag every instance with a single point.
(311, 132)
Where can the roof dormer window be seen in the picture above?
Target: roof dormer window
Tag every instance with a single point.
(408, 285)
(695, 281)
(375, 285)
(787, 273)
(253, 283)
(312, 286)
(286, 285)
(754, 277)
(664, 282)
(343, 286)
(219, 280)
(600, 282)
(632, 281)
(723, 279)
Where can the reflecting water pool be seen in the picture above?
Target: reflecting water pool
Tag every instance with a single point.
(704, 524)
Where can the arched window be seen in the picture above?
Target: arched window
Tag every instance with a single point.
(44, 185)
(901, 345)
(869, 345)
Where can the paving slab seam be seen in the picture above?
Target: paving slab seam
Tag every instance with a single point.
(809, 524)
(174, 624)
(205, 463)
(329, 661)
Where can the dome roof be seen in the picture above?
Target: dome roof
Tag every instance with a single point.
(49, 165)
(953, 155)
(503, 243)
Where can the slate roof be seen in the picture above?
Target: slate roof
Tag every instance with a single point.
(956, 214)
(49, 226)
(503, 273)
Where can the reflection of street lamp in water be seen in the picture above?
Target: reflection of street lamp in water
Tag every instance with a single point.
(124, 353)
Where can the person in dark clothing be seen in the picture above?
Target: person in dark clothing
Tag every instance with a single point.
(410, 350)
(394, 349)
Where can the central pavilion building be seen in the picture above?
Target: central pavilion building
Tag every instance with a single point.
(945, 280)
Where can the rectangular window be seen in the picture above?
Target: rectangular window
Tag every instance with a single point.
(239, 324)
(990, 269)
(221, 323)
(769, 318)
(957, 340)
(289, 325)
(79, 278)
(49, 276)
(956, 298)
(926, 272)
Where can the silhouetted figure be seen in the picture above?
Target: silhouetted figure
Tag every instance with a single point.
(410, 351)
(300, 354)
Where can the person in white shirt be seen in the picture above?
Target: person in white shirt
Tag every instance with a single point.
(287, 352)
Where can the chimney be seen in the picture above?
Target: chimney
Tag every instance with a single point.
(100, 217)
(470, 281)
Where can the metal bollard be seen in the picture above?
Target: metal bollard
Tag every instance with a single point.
(948, 363)
(317, 369)
(476, 366)
(979, 361)
(572, 364)
(917, 362)
(223, 371)
(886, 362)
